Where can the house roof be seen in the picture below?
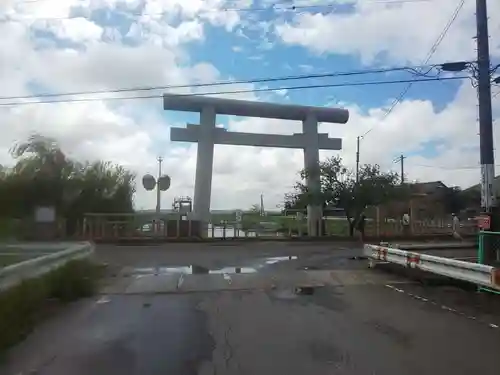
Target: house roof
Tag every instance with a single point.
(428, 187)
(496, 186)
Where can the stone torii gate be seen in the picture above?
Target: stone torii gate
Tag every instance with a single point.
(206, 134)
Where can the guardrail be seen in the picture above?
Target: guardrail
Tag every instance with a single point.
(15, 273)
(479, 274)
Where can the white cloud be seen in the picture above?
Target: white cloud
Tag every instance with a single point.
(79, 30)
(216, 12)
(404, 32)
(162, 34)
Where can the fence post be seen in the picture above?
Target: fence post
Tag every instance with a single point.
(480, 255)
(103, 228)
(378, 221)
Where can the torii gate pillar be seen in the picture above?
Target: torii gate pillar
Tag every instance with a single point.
(204, 165)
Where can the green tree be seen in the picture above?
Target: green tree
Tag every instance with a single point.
(43, 175)
(296, 200)
(453, 198)
(340, 189)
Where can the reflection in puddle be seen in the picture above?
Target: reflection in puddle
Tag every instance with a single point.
(234, 270)
(191, 270)
(199, 270)
(274, 260)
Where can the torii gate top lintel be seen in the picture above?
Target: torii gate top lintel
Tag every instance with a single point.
(222, 106)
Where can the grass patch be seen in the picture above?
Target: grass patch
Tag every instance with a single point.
(8, 259)
(24, 305)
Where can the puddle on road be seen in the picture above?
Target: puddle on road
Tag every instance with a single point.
(199, 270)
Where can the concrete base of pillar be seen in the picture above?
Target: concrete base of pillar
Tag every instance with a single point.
(314, 221)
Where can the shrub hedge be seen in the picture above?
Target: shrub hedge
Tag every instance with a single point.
(25, 304)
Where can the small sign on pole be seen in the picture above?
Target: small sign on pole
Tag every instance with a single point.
(484, 222)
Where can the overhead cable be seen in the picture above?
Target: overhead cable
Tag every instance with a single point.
(373, 83)
(428, 57)
(277, 7)
(223, 83)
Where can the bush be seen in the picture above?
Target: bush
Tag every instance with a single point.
(22, 306)
(75, 280)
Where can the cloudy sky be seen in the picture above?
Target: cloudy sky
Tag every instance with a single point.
(54, 46)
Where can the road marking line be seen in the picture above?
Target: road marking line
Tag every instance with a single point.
(103, 299)
(443, 307)
(448, 308)
(180, 281)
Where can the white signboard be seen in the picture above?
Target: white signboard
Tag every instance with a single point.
(45, 214)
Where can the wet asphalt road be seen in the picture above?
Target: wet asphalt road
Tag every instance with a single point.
(390, 326)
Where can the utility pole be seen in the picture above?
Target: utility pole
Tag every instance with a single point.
(357, 158)
(158, 204)
(401, 159)
(485, 113)
(487, 158)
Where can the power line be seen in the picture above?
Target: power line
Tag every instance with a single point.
(431, 53)
(272, 7)
(286, 4)
(463, 168)
(76, 100)
(217, 83)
